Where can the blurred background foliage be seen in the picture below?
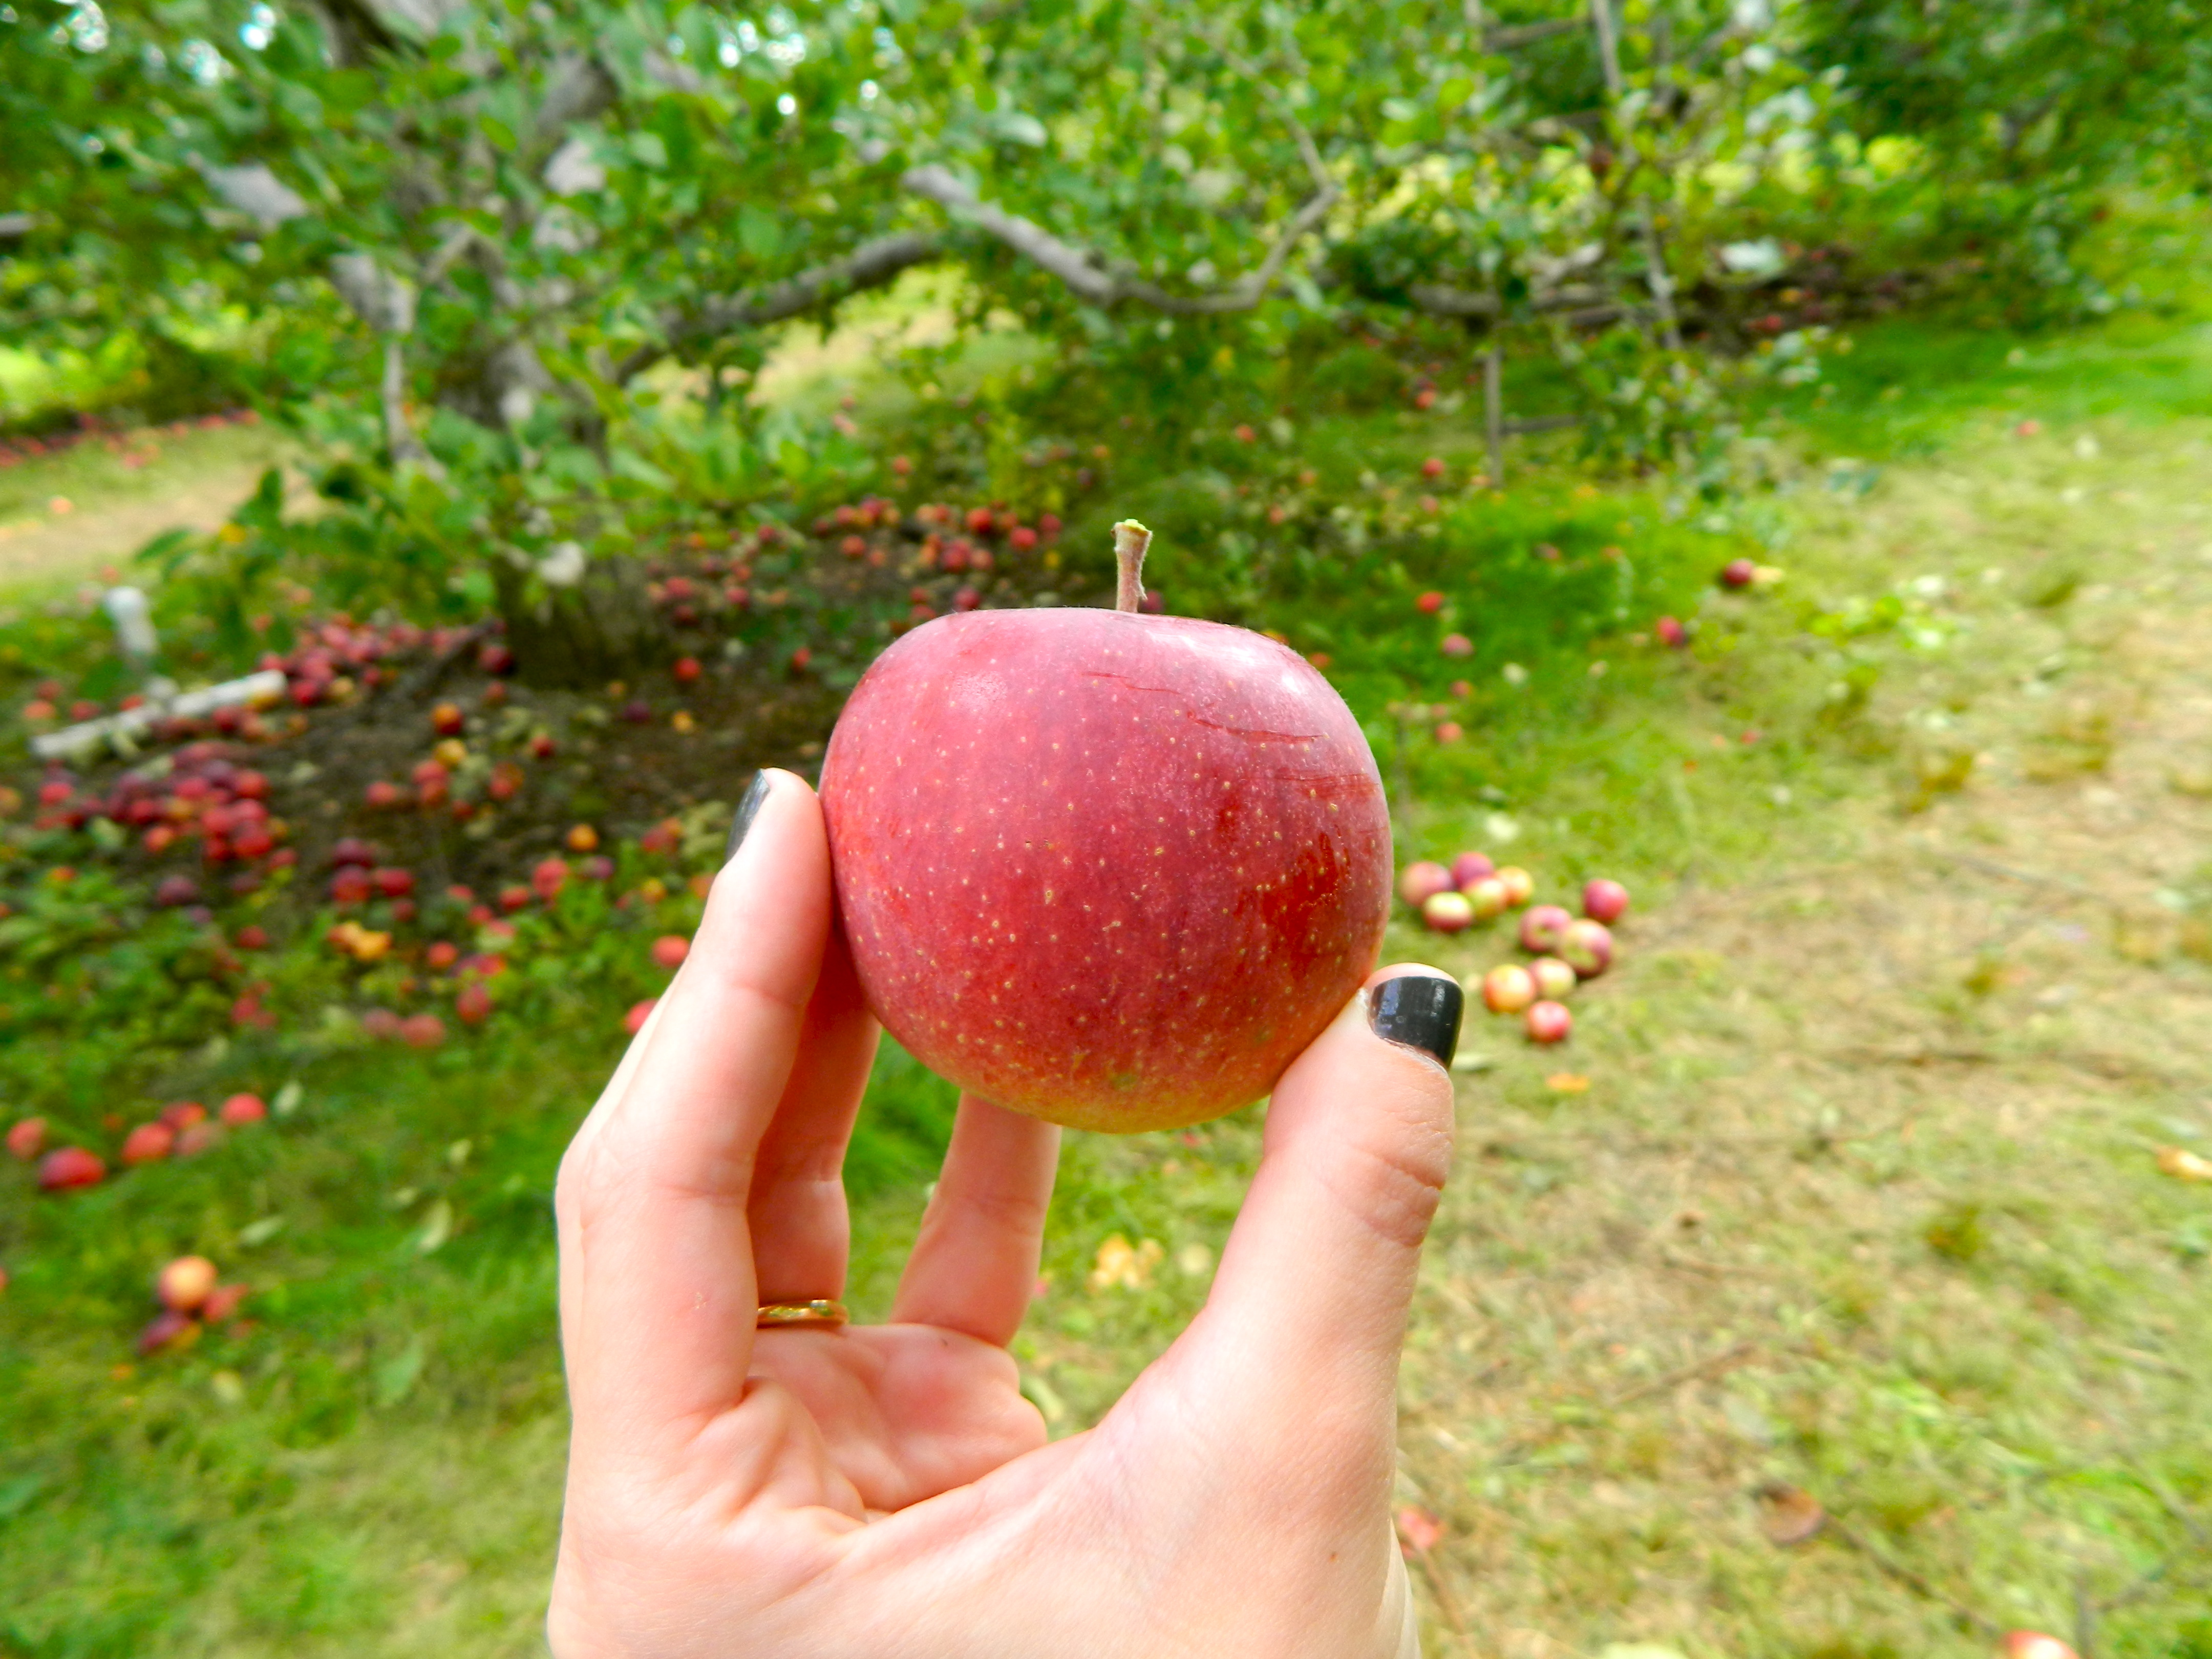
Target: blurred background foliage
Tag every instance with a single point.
(512, 271)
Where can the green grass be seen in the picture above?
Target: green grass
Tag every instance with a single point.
(1930, 1322)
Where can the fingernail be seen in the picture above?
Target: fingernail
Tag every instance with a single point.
(755, 792)
(1421, 1011)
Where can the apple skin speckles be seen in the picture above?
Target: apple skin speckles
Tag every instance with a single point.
(1115, 871)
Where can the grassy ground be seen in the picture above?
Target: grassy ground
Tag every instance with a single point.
(1846, 1180)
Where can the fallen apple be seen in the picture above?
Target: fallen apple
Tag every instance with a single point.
(168, 1329)
(1520, 885)
(1540, 927)
(221, 1303)
(1110, 869)
(185, 1283)
(633, 1021)
(70, 1166)
(1554, 979)
(670, 949)
(1671, 632)
(1587, 947)
(1422, 879)
(1490, 898)
(1739, 573)
(1605, 901)
(2034, 1644)
(197, 1137)
(472, 1004)
(149, 1143)
(181, 1115)
(1448, 913)
(1468, 868)
(26, 1137)
(1508, 988)
(1549, 1022)
(241, 1110)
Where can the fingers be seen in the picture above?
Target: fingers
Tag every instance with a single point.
(976, 1262)
(658, 1288)
(1310, 1304)
(799, 1221)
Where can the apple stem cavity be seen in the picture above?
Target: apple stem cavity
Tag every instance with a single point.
(1130, 541)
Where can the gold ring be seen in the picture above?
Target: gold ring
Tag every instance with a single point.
(821, 1312)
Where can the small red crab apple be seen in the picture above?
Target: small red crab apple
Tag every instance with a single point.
(1549, 1022)
(149, 1143)
(1490, 898)
(1671, 631)
(670, 949)
(1468, 868)
(1587, 947)
(1541, 926)
(1508, 988)
(1739, 573)
(185, 1283)
(1447, 912)
(70, 1166)
(1417, 881)
(1520, 885)
(1605, 901)
(1554, 979)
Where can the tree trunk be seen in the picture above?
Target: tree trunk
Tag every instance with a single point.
(603, 628)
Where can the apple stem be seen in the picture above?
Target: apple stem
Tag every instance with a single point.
(1130, 541)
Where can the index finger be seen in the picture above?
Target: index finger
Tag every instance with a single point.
(657, 1291)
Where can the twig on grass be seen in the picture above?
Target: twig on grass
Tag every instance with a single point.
(1681, 1374)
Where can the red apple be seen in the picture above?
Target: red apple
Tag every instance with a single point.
(2034, 1643)
(25, 1139)
(1468, 868)
(1605, 901)
(422, 1030)
(1587, 947)
(1671, 632)
(1430, 603)
(1112, 870)
(185, 1283)
(1508, 988)
(633, 1021)
(149, 1143)
(223, 1302)
(1549, 1022)
(168, 1327)
(472, 1005)
(181, 1115)
(1739, 573)
(70, 1166)
(1433, 467)
(1554, 979)
(1489, 897)
(1541, 926)
(1520, 885)
(441, 956)
(670, 949)
(241, 1110)
(1447, 912)
(198, 1138)
(1417, 881)
(447, 720)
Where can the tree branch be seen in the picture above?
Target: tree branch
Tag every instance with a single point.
(1080, 268)
(871, 265)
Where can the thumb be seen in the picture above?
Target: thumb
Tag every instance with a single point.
(1309, 1308)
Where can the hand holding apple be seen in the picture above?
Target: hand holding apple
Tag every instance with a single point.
(800, 1490)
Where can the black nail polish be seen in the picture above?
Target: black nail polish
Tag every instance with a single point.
(755, 792)
(1421, 1011)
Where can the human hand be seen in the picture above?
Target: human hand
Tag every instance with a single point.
(887, 1491)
